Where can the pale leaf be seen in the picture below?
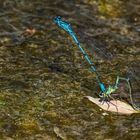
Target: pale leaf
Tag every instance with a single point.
(113, 105)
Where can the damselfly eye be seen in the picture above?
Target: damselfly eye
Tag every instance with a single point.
(59, 17)
(100, 94)
(56, 19)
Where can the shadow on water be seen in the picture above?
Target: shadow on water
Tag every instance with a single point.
(42, 82)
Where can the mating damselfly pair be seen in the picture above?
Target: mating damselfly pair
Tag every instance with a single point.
(105, 92)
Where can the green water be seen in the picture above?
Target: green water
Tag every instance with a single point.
(42, 82)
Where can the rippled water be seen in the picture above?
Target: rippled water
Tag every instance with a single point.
(42, 82)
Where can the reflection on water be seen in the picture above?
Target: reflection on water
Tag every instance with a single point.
(42, 85)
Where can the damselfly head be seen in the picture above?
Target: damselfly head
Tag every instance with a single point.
(101, 94)
(57, 18)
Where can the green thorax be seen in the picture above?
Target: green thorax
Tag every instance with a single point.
(110, 90)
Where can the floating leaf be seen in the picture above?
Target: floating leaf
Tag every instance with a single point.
(60, 133)
(113, 106)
